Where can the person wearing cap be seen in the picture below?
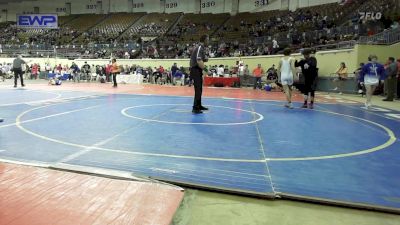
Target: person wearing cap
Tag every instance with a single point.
(370, 75)
(310, 71)
(391, 79)
(17, 68)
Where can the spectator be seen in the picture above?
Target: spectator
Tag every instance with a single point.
(174, 68)
(75, 73)
(272, 73)
(114, 71)
(391, 76)
(257, 73)
(108, 72)
(246, 71)
(35, 71)
(342, 77)
(86, 70)
(275, 46)
(398, 79)
(220, 71)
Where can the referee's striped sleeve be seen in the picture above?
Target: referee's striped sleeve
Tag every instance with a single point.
(198, 52)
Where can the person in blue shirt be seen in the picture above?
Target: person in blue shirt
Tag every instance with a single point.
(174, 68)
(370, 75)
(75, 72)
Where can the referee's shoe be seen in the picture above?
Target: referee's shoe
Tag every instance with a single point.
(1, 120)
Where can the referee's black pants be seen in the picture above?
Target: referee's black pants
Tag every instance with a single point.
(196, 75)
(18, 73)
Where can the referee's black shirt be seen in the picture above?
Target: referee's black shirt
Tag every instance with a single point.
(197, 54)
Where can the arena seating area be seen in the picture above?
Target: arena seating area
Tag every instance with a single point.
(173, 35)
(151, 25)
(110, 29)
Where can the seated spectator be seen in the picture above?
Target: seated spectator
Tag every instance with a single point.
(221, 71)
(360, 88)
(213, 71)
(75, 72)
(342, 77)
(157, 74)
(272, 73)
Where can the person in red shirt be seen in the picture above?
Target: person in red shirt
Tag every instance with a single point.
(257, 73)
(59, 69)
(35, 71)
(161, 69)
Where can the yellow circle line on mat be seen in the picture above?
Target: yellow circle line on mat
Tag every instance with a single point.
(392, 139)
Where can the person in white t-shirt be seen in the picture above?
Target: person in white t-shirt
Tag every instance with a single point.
(275, 46)
(286, 71)
(220, 71)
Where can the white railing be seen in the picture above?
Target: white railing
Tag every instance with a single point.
(386, 38)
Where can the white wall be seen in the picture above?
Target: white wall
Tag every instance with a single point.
(285, 4)
(295, 4)
(3, 15)
(13, 9)
(228, 6)
(81, 6)
(26, 6)
(186, 6)
(212, 6)
(106, 6)
(257, 5)
(119, 6)
(149, 6)
(303, 3)
(51, 6)
(320, 2)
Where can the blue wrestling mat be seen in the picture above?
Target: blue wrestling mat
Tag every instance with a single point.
(337, 153)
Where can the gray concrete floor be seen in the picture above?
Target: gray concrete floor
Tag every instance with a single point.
(208, 208)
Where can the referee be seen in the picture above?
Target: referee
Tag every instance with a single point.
(196, 73)
(17, 68)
